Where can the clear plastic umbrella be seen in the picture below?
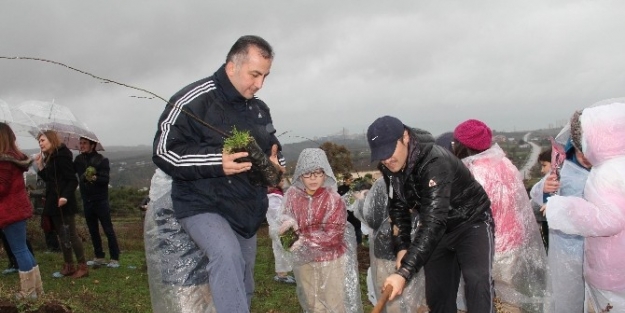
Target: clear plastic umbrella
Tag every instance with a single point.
(19, 122)
(53, 116)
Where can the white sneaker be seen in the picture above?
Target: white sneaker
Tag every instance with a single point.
(97, 261)
(113, 264)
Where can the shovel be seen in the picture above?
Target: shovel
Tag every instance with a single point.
(382, 302)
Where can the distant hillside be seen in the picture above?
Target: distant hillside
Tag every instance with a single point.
(132, 165)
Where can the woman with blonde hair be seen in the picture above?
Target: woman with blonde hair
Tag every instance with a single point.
(15, 209)
(56, 168)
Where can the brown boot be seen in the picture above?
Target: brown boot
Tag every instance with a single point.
(68, 269)
(82, 271)
(38, 283)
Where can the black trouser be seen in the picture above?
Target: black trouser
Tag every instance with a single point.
(99, 210)
(65, 227)
(467, 251)
(357, 224)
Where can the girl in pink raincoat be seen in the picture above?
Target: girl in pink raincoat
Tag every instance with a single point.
(520, 259)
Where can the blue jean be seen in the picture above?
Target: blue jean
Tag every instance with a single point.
(95, 211)
(16, 236)
(230, 260)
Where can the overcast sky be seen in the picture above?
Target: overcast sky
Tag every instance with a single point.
(516, 65)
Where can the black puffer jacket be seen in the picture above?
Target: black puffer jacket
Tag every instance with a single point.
(444, 193)
(61, 182)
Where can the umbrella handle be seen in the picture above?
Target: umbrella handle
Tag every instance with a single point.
(382, 302)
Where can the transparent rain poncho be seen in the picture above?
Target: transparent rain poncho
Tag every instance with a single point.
(600, 215)
(520, 262)
(283, 259)
(374, 213)
(566, 251)
(324, 257)
(176, 267)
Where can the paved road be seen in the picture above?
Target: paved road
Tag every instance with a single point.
(533, 158)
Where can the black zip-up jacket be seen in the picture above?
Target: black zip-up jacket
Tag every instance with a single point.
(442, 190)
(98, 189)
(191, 152)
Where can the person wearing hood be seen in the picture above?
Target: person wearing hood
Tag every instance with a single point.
(94, 191)
(599, 216)
(566, 251)
(454, 236)
(15, 210)
(520, 258)
(56, 168)
(374, 214)
(322, 260)
(283, 261)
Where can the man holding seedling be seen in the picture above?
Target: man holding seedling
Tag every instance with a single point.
(217, 195)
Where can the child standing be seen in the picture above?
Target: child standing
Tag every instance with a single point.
(323, 264)
(538, 197)
(283, 259)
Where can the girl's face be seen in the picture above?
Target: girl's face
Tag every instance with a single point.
(545, 167)
(313, 180)
(581, 158)
(44, 144)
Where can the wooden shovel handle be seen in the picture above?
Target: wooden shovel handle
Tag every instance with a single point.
(382, 301)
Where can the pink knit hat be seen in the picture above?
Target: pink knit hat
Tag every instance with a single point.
(474, 134)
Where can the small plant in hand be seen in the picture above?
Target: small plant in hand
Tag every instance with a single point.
(288, 238)
(238, 141)
(90, 173)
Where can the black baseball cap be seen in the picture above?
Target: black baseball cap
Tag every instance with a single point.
(382, 136)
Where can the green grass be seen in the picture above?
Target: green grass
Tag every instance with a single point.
(125, 289)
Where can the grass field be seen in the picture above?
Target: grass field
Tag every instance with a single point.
(125, 289)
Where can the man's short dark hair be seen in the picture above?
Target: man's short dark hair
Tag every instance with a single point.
(240, 48)
(545, 156)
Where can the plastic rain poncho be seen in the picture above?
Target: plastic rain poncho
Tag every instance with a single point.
(283, 259)
(600, 216)
(566, 251)
(374, 213)
(176, 267)
(324, 257)
(520, 262)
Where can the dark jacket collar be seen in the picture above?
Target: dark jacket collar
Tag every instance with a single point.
(228, 92)
(89, 155)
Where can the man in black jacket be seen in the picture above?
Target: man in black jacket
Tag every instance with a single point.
(213, 198)
(93, 177)
(454, 235)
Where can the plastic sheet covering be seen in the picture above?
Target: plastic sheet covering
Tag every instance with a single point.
(375, 214)
(520, 263)
(176, 267)
(600, 216)
(566, 251)
(283, 258)
(324, 257)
